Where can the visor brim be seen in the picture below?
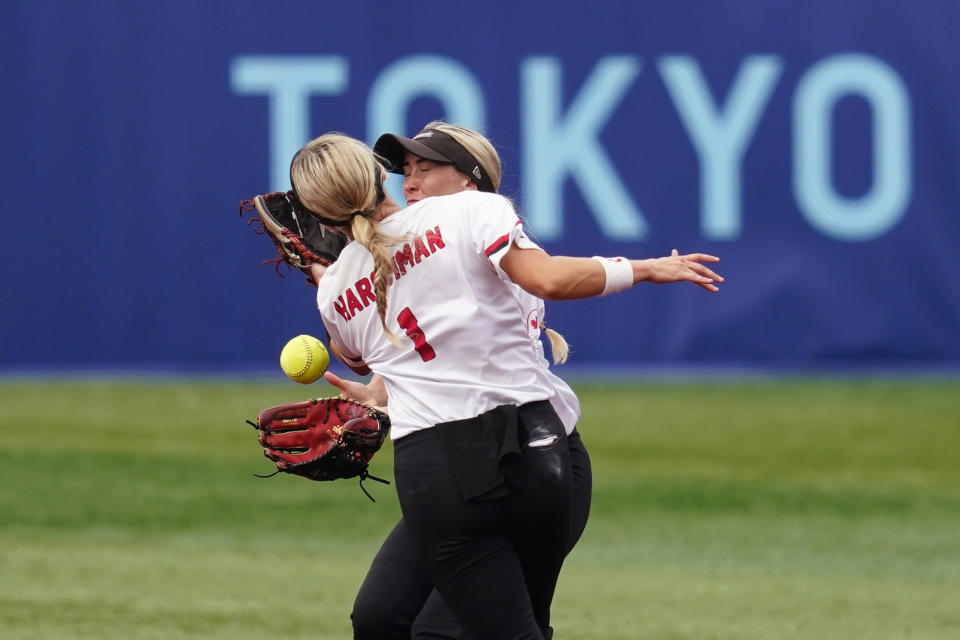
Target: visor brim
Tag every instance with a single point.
(393, 147)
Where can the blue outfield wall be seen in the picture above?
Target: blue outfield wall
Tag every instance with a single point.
(814, 146)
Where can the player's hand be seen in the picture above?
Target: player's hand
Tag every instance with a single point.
(373, 394)
(679, 268)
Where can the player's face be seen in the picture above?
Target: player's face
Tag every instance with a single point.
(424, 178)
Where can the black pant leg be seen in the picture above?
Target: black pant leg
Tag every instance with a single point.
(464, 545)
(582, 473)
(393, 592)
(436, 621)
(542, 516)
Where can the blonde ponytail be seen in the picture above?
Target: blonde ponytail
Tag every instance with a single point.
(366, 232)
(338, 177)
(558, 345)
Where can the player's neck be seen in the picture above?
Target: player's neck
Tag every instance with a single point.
(387, 208)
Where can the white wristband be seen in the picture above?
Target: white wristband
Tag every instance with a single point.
(619, 274)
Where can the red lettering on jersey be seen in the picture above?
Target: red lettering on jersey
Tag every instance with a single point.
(404, 256)
(364, 288)
(352, 303)
(341, 308)
(407, 257)
(420, 251)
(434, 239)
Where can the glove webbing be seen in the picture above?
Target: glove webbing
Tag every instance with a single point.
(363, 474)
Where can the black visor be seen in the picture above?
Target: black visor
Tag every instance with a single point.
(435, 145)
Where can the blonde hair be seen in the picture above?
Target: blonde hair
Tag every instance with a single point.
(479, 147)
(558, 346)
(337, 177)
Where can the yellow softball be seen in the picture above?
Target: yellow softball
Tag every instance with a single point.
(304, 359)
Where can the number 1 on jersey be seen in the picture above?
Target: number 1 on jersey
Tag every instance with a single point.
(408, 322)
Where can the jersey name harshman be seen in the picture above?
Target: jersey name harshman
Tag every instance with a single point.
(358, 297)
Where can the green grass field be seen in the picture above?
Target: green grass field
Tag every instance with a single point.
(753, 510)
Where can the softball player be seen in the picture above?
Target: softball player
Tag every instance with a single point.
(481, 460)
(396, 599)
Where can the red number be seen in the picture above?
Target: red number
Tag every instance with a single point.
(408, 322)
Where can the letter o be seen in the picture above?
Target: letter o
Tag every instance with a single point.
(401, 82)
(409, 78)
(885, 202)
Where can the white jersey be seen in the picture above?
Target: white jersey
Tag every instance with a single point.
(469, 348)
(565, 401)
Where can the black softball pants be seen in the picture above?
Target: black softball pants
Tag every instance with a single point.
(397, 598)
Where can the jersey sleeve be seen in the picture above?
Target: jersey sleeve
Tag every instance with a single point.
(333, 334)
(494, 226)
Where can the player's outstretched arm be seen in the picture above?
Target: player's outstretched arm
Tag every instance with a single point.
(564, 278)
